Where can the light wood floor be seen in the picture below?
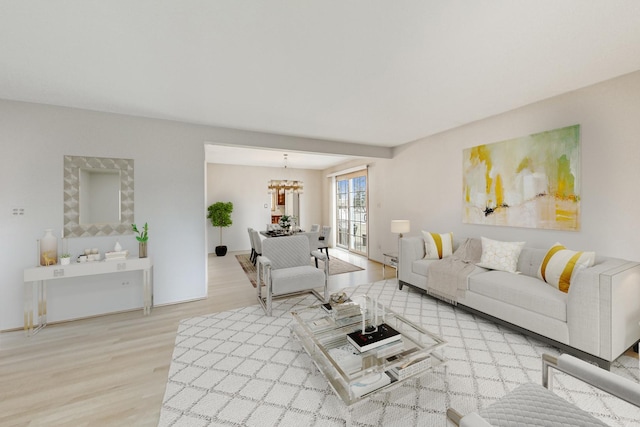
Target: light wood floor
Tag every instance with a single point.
(112, 370)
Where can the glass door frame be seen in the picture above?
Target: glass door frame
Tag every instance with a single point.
(352, 208)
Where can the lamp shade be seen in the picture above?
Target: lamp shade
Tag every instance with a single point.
(400, 226)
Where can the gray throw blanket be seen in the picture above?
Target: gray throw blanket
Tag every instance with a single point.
(447, 277)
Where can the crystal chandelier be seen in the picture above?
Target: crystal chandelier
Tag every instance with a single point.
(285, 186)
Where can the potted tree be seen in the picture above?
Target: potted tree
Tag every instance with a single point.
(220, 216)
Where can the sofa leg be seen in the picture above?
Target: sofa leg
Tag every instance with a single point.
(635, 347)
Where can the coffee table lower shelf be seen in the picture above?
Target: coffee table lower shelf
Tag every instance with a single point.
(353, 375)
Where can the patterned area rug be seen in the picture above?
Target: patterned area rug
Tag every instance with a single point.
(336, 266)
(242, 368)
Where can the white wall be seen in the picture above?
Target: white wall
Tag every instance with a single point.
(423, 182)
(246, 187)
(169, 188)
(169, 195)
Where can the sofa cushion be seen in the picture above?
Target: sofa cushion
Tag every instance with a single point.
(437, 246)
(521, 291)
(497, 255)
(560, 265)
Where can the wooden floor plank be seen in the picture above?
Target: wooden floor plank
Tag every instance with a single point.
(112, 370)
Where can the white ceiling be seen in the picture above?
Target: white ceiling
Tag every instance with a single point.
(374, 72)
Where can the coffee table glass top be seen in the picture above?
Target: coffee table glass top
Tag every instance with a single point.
(353, 374)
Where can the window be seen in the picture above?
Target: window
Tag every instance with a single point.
(351, 215)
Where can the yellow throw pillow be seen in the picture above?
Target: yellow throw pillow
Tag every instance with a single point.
(560, 265)
(437, 246)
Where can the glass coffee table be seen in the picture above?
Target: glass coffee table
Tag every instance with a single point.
(355, 374)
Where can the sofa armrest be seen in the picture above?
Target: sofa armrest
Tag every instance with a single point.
(601, 316)
(619, 314)
(411, 249)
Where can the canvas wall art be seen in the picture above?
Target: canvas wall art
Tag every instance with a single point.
(531, 181)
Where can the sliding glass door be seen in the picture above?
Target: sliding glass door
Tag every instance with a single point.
(351, 215)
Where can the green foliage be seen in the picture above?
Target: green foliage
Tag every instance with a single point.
(143, 235)
(286, 221)
(220, 215)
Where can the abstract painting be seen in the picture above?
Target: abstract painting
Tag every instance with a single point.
(531, 181)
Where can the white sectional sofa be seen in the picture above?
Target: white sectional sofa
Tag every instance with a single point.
(598, 319)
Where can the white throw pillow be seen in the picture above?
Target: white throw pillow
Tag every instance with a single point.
(498, 255)
(437, 246)
(560, 265)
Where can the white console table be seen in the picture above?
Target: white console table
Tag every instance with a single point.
(35, 282)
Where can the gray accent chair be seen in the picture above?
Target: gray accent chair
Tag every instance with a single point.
(535, 405)
(285, 269)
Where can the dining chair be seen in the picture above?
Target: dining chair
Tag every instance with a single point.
(324, 239)
(285, 270)
(315, 227)
(253, 247)
(314, 240)
(257, 244)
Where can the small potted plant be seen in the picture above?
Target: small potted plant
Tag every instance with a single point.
(220, 215)
(65, 259)
(142, 238)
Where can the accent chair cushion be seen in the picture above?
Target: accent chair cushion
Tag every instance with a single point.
(531, 405)
(437, 246)
(296, 279)
(560, 265)
(497, 255)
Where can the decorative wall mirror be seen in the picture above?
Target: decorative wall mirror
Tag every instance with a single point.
(98, 196)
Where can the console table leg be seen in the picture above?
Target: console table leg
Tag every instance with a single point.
(147, 291)
(43, 299)
(27, 308)
(35, 306)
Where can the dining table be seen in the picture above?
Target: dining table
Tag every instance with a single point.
(280, 233)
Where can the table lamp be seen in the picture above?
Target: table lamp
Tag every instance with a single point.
(400, 226)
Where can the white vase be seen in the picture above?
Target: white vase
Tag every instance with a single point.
(65, 261)
(48, 248)
(117, 247)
